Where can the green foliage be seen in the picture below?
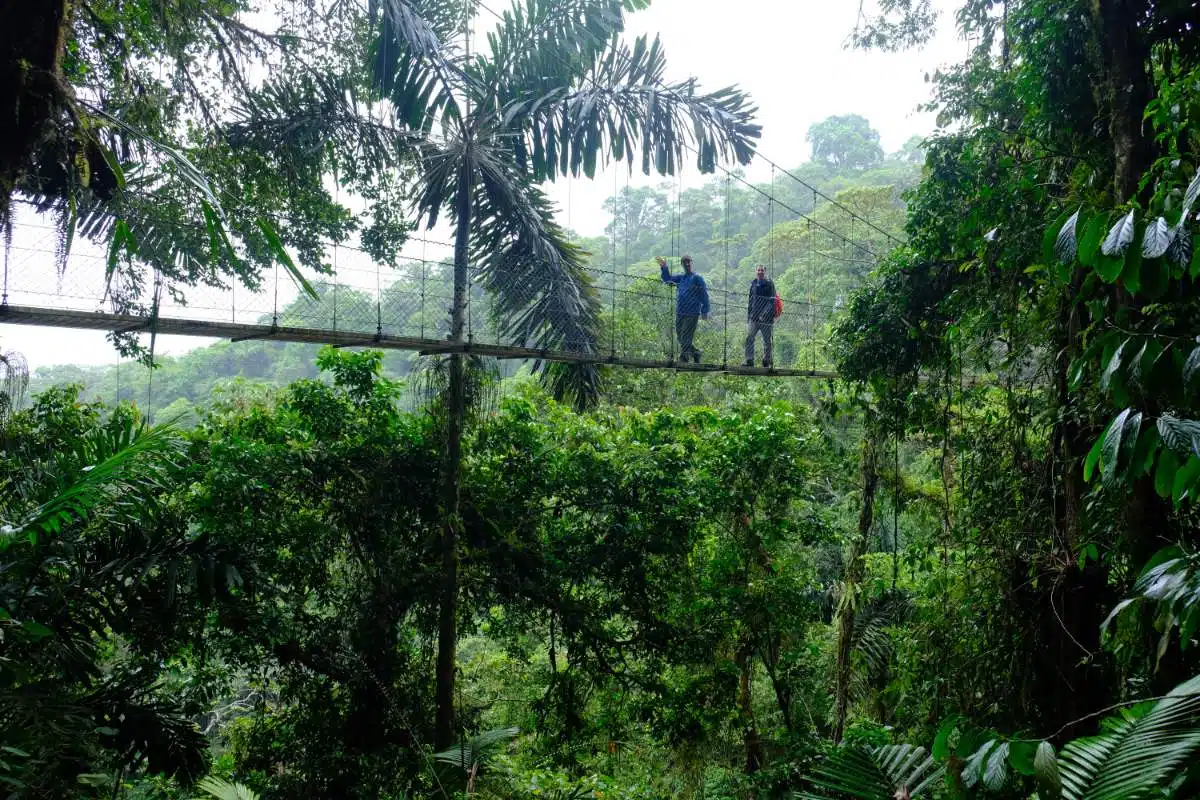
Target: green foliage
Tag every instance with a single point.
(845, 142)
(1141, 753)
(1171, 581)
(1144, 751)
(877, 773)
(224, 790)
(102, 579)
(239, 188)
(472, 754)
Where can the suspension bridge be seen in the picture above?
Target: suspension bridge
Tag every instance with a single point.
(405, 305)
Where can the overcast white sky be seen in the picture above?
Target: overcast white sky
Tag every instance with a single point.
(788, 54)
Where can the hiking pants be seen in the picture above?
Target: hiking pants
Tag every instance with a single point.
(754, 327)
(685, 329)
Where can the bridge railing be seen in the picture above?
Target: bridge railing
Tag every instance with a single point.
(412, 300)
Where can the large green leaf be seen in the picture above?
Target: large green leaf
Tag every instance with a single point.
(1089, 245)
(1114, 364)
(1110, 267)
(1120, 236)
(1181, 435)
(941, 742)
(472, 752)
(1164, 475)
(1066, 244)
(1045, 765)
(876, 773)
(1179, 253)
(1157, 238)
(1191, 365)
(1187, 478)
(280, 252)
(1189, 196)
(1171, 580)
(1123, 431)
(224, 790)
(1140, 752)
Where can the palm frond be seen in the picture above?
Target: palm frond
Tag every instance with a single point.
(871, 641)
(152, 730)
(543, 295)
(472, 753)
(133, 472)
(481, 384)
(1137, 753)
(875, 773)
(623, 103)
(576, 384)
(541, 45)
(305, 114)
(224, 790)
(415, 69)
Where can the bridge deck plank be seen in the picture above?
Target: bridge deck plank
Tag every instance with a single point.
(97, 320)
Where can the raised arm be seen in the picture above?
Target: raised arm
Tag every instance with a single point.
(667, 277)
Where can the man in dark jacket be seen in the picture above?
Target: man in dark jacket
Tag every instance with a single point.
(691, 305)
(760, 316)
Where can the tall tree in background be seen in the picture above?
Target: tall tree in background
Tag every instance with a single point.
(555, 92)
(847, 141)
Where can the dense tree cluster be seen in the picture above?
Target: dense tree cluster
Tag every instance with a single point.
(966, 569)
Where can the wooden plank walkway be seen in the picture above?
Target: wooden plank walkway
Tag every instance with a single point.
(129, 323)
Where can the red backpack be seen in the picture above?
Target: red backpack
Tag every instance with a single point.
(778, 306)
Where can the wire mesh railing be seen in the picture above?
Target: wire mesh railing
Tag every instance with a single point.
(408, 305)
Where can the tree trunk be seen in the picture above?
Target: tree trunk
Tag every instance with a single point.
(455, 421)
(783, 692)
(33, 36)
(854, 574)
(1124, 90)
(754, 750)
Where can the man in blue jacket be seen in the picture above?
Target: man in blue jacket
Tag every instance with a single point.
(691, 305)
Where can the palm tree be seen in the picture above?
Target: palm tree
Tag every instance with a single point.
(555, 92)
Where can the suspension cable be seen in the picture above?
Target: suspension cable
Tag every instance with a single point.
(771, 226)
(676, 242)
(613, 309)
(153, 343)
(725, 281)
(625, 270)
(7, 248)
